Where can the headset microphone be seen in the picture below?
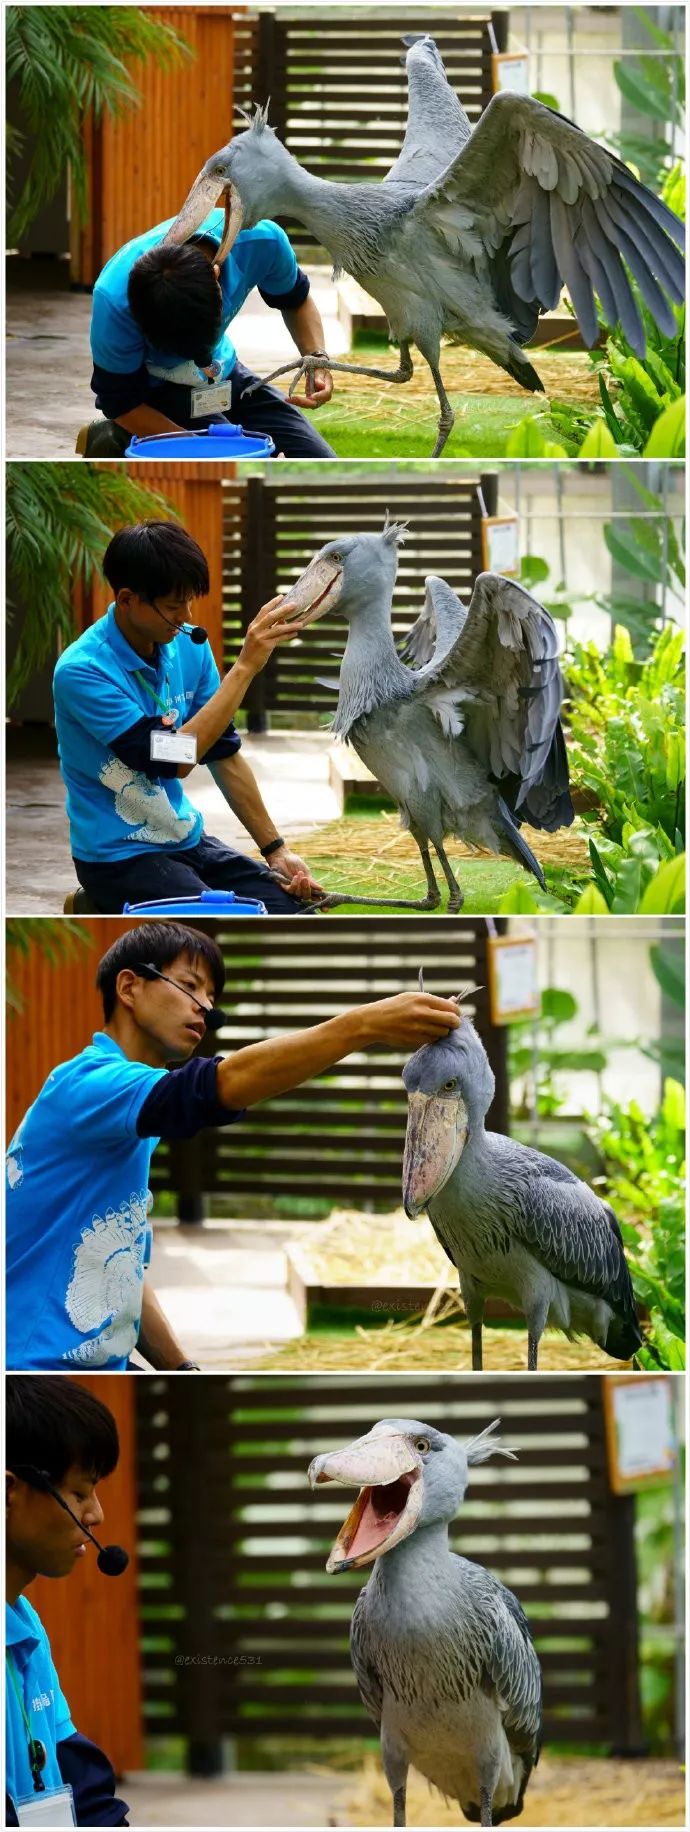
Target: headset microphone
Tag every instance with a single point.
(195, 631)
(112, 1560)
(214, 1017)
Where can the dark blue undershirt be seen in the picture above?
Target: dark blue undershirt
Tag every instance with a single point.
(185, 1101)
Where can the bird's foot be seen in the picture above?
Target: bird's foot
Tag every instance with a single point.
(309, 364)
(455, 901)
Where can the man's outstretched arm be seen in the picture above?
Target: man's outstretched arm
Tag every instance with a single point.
(262, 1070)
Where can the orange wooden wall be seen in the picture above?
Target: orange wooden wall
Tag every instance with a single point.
(92, 1620)
(61, 1009)
(195, 492)
(143, 162)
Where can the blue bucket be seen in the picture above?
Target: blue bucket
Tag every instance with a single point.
(210, 903)
(222, 440)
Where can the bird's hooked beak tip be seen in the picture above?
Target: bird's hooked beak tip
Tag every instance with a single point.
(437, 1126)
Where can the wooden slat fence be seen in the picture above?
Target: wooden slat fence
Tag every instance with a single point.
(338, 88)
(233, 1547)
(340, 1136)
(274, 524)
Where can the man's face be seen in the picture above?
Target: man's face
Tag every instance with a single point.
(160, 622)
(166, 1012)
(41, 1538)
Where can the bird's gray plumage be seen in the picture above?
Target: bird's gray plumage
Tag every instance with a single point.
(470, 742)
(437, 125)
(524, 204)
(441, 1650)
(515, 1223)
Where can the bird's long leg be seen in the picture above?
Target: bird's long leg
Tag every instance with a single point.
(308, 364)
(532, 1352)
(477, 1348)
(456, 898)
(447, 417)
(399, 1818)
(431, 902)
(485, 1807)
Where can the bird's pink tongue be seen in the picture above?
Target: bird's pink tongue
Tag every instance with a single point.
(380, 1514)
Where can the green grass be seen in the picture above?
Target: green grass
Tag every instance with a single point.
(387, 422)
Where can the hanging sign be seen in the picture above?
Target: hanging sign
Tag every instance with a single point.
(513, 978)
(510, 70)
(640, 1437)
(501, 544)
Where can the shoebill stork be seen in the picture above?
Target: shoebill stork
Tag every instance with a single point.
(516, 1224)
(469, 743)
(442, 1652)
(478, 249)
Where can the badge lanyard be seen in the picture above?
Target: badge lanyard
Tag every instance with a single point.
(37, 1751)
(165, 709)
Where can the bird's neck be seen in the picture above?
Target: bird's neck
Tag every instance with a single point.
(314, 201)
(416, 1563)
(371, 671)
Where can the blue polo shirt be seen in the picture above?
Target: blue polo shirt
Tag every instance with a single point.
(101, 688)
(261, 257)
(77, 1203)
(45, 1704)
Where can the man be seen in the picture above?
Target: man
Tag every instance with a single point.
(78, 1241)
(162, 356)
(54, 1429)
(134, 677)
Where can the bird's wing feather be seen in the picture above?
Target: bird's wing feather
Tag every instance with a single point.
(566, 211)
(437, 125)
(514, 1670)
(361, 1654)
(501, 680)
(576, 1237)
(439, 624)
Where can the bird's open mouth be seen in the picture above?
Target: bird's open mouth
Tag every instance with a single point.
(389, 1503)
(372, 1524)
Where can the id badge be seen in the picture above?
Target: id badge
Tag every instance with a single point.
(53, 1807)
(173, 747)
(211, 400)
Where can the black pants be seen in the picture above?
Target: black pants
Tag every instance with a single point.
(210, 866)
(266, 411)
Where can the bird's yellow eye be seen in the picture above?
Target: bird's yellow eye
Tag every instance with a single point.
(450, 1084)
(422, 1445)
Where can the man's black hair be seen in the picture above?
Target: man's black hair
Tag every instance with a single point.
(161, 943)
(176, 300)
(156, 560)
(53, 1423)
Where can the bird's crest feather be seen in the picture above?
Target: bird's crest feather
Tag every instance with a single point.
(394, 532)
(479, 1449)
(258, 119)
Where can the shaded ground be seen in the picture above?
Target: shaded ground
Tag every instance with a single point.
(371, 854)
(563, 1791)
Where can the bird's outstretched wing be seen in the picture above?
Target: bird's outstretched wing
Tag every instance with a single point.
(438, 626)
(437, 126)
(361, 1654)
(543, 206)
(498, 680)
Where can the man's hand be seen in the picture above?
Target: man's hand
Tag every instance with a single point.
(268, 630)
(318, 388)
(292, 873)
(410, 1019)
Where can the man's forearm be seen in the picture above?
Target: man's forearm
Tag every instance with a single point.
(265, 1069)
(238, 785)
(305, 327)
(156, 1342)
